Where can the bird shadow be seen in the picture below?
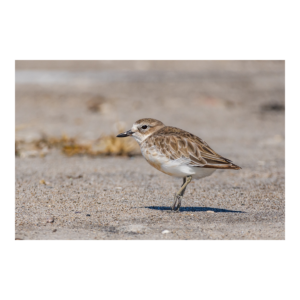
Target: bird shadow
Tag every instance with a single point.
(194, 209)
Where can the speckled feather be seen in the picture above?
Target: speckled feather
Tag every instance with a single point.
(175, 143)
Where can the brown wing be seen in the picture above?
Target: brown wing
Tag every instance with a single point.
(179, 144)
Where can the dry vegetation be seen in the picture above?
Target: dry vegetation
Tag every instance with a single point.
(105, 145)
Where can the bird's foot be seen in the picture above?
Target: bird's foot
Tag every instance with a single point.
(177, 202)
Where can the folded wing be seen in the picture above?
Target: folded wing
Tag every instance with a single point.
(188, 149)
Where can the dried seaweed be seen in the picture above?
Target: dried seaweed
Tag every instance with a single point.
(105, 145)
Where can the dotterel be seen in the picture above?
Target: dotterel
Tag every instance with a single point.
(176, 152)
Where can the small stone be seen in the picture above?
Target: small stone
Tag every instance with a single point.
(165, 231)
(42, 181)
(210, 212)
(88, 215)
(54, 230)
(118, 188)
(50, 220)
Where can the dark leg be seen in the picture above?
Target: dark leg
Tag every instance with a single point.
(183, 191)
(178, 196)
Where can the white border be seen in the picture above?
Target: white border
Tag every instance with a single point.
(286, 150)
(169, 59)
(14, 161)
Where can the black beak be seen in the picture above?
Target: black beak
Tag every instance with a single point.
(125, 134)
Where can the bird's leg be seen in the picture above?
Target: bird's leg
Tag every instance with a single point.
(183, 191)
(178, 196)
(186, 181)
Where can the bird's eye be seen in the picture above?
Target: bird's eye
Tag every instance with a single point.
(144, 126)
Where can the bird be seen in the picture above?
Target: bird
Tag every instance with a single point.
(177, 153)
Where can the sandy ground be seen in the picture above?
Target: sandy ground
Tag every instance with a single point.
(236, 107)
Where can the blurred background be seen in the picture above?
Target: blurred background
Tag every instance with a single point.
(79, 106)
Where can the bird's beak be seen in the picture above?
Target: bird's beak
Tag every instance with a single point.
(124, 134)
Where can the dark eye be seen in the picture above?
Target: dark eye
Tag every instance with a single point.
(144, 126)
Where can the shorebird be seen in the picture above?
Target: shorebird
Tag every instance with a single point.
(177, 153)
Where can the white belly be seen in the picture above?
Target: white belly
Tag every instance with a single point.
(177, 168)
(181, 170)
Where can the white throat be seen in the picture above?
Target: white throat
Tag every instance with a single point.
(140, 137)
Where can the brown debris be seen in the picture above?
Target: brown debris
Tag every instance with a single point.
(75, 177)
(96, 103)
(105, 145)
(111, 145)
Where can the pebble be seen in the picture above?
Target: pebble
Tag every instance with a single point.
(54, 230)
(118, 188)
(210, 212)
(50, 220)
(42, 181)
(165, 231)
(88, 215)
